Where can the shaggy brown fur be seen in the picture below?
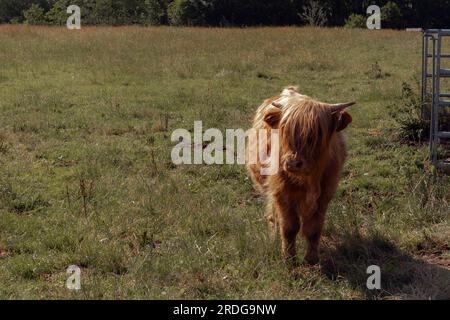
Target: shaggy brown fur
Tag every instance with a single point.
(312, 153)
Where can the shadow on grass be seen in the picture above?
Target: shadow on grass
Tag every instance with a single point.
(402, 276)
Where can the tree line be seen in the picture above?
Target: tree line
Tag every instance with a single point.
(238, 13)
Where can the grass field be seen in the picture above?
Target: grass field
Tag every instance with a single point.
(86, 176)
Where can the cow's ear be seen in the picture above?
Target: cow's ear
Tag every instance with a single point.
(343, 120)
(272, 117)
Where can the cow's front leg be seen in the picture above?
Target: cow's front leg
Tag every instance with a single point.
(312, 222)
(289, 224)
(312, 226)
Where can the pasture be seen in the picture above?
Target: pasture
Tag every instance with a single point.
(86, 176)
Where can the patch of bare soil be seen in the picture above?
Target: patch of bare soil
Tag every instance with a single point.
(3, 253)
(439, 256)
(437, 260)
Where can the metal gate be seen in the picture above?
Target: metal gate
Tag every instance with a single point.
(434, 101)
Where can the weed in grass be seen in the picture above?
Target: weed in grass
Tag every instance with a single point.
(408, 114)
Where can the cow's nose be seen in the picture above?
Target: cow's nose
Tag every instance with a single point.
(293, 164)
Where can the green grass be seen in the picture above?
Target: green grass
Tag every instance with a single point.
(86, 176)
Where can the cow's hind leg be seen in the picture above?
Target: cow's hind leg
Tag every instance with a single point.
(272, 221)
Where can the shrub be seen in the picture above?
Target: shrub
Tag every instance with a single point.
(188, 12)
(34, 14)
(15, 20)
(58, 13)
(409, 116)
(376, 72)
(314, 14)
(154, 12)
(105, 13)
(391, 16)
(356, 21)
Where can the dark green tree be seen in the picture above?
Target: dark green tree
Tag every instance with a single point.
(154, 13)
(57, 15)
(392, 16)
(239, 13)
(190, 12)
(356, 21)
(34, 14)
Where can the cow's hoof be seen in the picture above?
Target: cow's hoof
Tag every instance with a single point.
(312, 259)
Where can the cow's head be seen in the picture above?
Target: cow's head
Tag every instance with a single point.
(306, 128)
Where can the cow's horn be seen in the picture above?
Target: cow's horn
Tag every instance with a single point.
(340, 106)
(278, 105)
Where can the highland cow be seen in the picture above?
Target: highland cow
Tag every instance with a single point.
(311, 156)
